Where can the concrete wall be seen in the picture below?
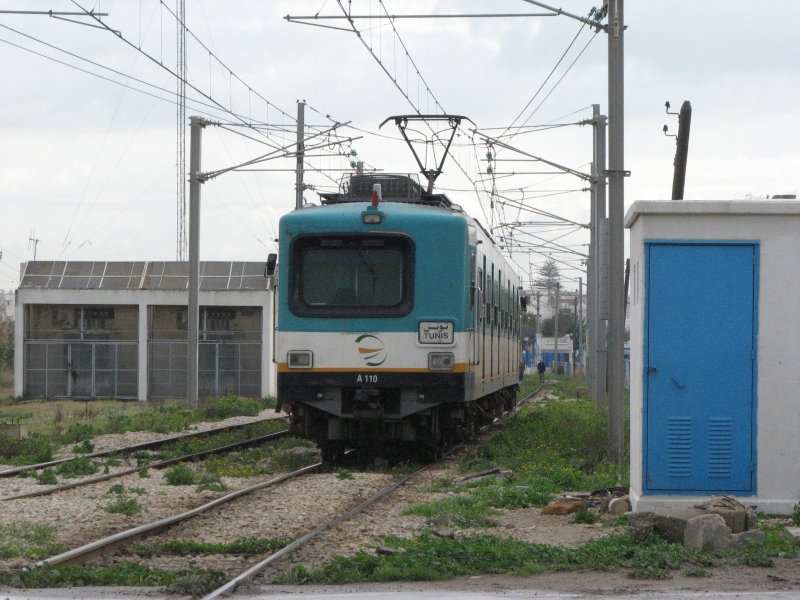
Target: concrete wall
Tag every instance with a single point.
(775, 225)
(145, 298)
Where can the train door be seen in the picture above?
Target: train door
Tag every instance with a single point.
(492, 324)
(476, 303)
(484, 317)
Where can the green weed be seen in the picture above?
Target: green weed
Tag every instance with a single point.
(248, 546)
(85, 447)
(465, 511)
(211, 483)
(47, 477)
(78, 467)
(281, 455)
(124, 505)
(585, 516)
(343, 474)
(78, 432)
(194, 581)
(180, 474)
(28, 540)
(428, 557)
(216, 409)
(25, 451)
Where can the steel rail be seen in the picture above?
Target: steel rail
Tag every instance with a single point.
(156, 465)
(127, 449)
(261, 565)
(258, 567)
(92, 549)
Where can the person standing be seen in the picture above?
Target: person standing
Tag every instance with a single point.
(540, 367)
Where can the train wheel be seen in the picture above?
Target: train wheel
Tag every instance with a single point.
(332, 452)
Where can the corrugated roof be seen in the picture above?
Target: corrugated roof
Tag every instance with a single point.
(159, 275)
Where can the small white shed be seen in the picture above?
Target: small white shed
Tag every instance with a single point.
(715, 344)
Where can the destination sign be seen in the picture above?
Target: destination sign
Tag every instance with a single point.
(436, 332)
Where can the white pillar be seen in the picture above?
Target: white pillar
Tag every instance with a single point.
(19, 344)
(143, 366)
(267, 382)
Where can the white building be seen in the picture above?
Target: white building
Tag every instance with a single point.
(119, 330)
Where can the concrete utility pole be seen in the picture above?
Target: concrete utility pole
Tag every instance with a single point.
(301, 114)
(580, 319)
(616, 231)
(682, 150)
(196, 125)
(598, 268)
(555, 327)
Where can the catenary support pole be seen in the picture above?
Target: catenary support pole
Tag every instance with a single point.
(195, 179)
(555, 330)
(581, 355)
(301, 113)
(600, 263)
(616, 232)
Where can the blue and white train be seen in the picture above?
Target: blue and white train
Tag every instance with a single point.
(398, 319)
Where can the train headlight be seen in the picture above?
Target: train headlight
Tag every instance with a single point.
(441, 361)
(301, 359)
(370, 217)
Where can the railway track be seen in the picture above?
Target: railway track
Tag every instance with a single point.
(154, 465)
(106, 545)
(130, 449)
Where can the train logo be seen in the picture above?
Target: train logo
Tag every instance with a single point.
(371, 349)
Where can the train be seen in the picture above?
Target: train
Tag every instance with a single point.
(397, 319)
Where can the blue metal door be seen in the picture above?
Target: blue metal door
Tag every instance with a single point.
(700, 367)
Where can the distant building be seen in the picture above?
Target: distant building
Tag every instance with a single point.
(119, 330)
(546, 348)
(6, 305)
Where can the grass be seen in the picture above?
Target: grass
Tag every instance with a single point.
(28, 540)
(281, 455)
(195, 582)
(181, 474)
(429, 558)
(122, 501)
(80, 467)
(550, 447)
(54, 423)
(246, 546)
(553, 446)
(74, 421)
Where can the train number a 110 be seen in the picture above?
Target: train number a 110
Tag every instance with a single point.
(367, 378)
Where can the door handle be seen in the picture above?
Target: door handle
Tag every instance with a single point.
(652, 369)
(678, 383)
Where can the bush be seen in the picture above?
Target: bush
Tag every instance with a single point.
(216, 409)
(180, 474)
(78, 467)
(25, 451)
(47, 477)
(79, 432)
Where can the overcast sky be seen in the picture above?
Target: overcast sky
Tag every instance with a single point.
(91, 165)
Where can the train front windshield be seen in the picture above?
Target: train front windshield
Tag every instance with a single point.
(352, 275)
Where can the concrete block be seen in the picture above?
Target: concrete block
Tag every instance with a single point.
(708, 532)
